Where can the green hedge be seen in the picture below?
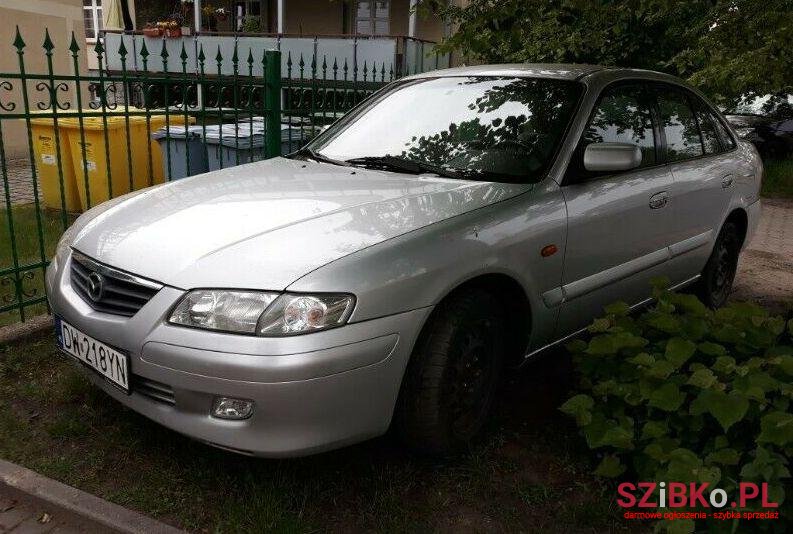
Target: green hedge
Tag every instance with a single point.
(682, 393)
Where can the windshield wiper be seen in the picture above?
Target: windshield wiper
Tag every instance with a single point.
(395, 163)
(307, 152)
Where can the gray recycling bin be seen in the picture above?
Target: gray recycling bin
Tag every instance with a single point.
(229, 145)
(181, 140)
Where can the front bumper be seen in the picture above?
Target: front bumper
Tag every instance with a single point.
(311, 393)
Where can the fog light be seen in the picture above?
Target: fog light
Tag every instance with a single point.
(229, 408)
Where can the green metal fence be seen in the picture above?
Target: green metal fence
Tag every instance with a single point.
(71, 138)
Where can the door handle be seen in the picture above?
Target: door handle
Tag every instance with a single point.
(726, 181)
(659, 200)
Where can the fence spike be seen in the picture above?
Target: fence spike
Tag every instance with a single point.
(122, 49)
(250, 58)
(163, 52)
(219, 57)
(144, 51)
(183, 56)
(201, 56)
(99, 47)
(19, 44)
(73, 46)
(48, 45)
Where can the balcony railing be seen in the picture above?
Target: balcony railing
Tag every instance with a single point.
(398, 55)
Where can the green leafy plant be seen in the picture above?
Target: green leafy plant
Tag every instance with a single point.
(683, 393)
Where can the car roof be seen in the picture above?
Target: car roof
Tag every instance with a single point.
(559, 71)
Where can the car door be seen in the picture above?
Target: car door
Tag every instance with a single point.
(618, 224)
(704, 174)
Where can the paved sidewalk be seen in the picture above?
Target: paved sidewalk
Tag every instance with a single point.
(34, 504)
(19, 515)
(765, 272)
(20, 182)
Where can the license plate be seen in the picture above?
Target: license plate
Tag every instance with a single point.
(105, 360)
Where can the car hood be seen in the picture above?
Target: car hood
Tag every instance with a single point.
(266, 224)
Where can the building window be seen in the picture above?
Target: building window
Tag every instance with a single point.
(373, 17)
(92, 15)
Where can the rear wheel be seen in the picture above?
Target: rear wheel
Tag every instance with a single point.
(451, 379)
(715, 284)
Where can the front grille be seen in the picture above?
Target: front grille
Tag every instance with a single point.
(154, 390)
(109, 290)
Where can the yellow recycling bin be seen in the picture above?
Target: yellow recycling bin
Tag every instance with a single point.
(51, 153)
(103, 157)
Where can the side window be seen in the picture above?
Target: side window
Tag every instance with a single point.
(623, 116)
(679, 125)
(724, 136)
(710, 137)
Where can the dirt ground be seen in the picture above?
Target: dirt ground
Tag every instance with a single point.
(765, 272)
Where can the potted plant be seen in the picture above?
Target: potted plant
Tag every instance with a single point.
(152, 30)
(208, 12)
(251, 24)
(181, 21)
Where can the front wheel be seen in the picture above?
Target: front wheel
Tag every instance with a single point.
(717, 277)
(452, 375)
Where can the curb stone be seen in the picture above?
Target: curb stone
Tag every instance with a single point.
(88, 510)
(18, 331)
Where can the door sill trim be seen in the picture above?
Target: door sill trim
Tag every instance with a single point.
(634, 307)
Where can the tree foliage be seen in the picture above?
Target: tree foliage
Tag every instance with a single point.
(726, 47)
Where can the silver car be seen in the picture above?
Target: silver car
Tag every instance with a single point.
(453, 225)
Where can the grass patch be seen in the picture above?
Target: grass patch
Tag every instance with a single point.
(34, 238)
(529, 474)
(778, 180)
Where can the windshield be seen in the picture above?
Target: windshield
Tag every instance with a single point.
(499, 129)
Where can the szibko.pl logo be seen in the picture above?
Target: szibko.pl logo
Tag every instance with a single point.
(707, 502)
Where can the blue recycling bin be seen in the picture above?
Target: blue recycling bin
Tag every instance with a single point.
(229, 145)
(181, 142)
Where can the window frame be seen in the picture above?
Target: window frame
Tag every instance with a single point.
(691, 98)
(687, 99)
(373, 18)
(574, 174)
(95, 8)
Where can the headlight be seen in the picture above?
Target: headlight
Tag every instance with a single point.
(298, 314)
(229, 311)
(262, 313)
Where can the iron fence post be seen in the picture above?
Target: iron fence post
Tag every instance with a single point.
(272, 95)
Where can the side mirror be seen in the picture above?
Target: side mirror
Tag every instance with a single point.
(612, 157)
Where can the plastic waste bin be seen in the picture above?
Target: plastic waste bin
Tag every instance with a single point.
(103, 156)
(48, 149)
(187, 154)
(229, 145)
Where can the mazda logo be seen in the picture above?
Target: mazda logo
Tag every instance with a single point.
(96, 286)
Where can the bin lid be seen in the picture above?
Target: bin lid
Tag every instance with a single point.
(178, 132)
(241, 142)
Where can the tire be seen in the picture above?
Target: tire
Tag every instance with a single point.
(452, 375)
(714, 286)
